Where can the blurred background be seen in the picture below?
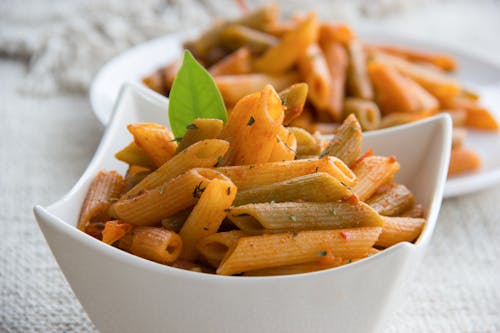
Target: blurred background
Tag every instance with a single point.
(51, 49)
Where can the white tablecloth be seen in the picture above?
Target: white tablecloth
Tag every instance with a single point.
(46, 143)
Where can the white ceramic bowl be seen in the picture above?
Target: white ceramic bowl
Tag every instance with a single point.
(124, 293)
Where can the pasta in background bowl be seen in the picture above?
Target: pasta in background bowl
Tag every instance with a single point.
(147, 297)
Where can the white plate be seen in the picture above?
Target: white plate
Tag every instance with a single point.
(125, 293)
(477, 73)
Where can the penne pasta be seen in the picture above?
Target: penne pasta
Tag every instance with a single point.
(135, 174)
(199, 130)
(314, 187)
(393, 91)
(434, 81)
(267, 251)
(399, 229)
(400, 118)
(458, 138)
(106, 187)
(207, 215)
(134, 155)
(373, 171)
(156, 244)
(307, 144)
(337, 32)
(391, 200)
(463, 160)
(237, 36)
(285, 216)
(238, 62)
(358, 82)
(298, 268)
(252, 128)
(415, 211)
(284, 55)
(337, 61)
(285, 147)
(179, 193)
(314, 70)
(439, 60)
(213, 248)
(156, 140)
(174, 222)
(206, 153)
(235, 87)
(293, 99)
(248, 176)
(476, 116)
(366, 112)
(346, 143)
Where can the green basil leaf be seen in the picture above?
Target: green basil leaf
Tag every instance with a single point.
(193, 95)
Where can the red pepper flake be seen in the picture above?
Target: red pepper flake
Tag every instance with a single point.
(392, 159)
(368, 153)
(345, 235)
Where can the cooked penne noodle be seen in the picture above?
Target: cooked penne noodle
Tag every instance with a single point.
(285, 216)
(248, 176)
(106, 187)
(314, 187)
(156, 141)
(416, 211)
(161, 80)
(400, 118)
(358, 82)
(463, 160)
(252, 128)
(315, 72)
(237, 36)
(238, 62)
(206, 153)
(207, 215)
(434, 81)
(393, 91)
(135, 174)
(297, 269)
(442, 61)
(114, 231)
(338, 32)
(284, 55)
(366, 112)
(399, 229)
(134, 155)
(258, 19)
(174, 222)
(337, 61)
(156, 244)
(179, 193)
(346, 143)
(476, 116)
(213, 248)
(373, 171)
(307, 144)
(285, 147)
(293, 99)
(391, 200)
(235, 87)
(200, 129)
(458, 117)
(267, 251)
